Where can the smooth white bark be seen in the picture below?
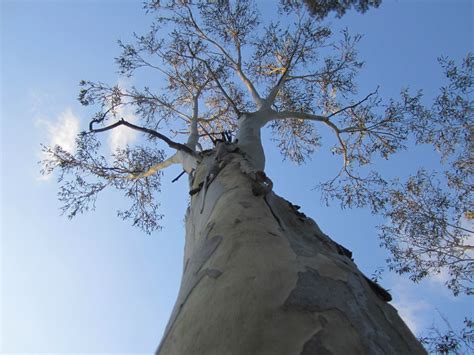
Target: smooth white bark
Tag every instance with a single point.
(249, 138)
(261, 278)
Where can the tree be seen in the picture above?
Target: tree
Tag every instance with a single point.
(261, 273)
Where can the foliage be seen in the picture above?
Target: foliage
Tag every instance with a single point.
(428, 230)
(86, 173)
(450, 341)
(322, 8)
(219, 60)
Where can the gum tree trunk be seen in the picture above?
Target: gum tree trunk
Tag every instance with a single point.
(261, 278)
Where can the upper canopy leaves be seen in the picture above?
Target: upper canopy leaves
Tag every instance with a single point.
(211, 61)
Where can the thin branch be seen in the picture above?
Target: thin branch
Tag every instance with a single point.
(250, 87)
(161, 102)
(237, 65)
(221, 88)
(325, 120)
(216, 80)
(206, 133)
(177, 177)
(171, 144)
(300, 115)
(281, 81)
(206, 37)
(239, 52)
(194, 135)
(315, 75)
(148, 64)
(353, 106)
(101, 118)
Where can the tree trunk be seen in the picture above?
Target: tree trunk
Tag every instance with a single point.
(261, 278)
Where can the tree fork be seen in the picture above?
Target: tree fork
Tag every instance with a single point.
(261, 278)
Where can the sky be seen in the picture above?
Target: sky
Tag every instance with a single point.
(94, 284)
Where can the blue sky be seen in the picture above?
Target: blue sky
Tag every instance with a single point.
(94, 283)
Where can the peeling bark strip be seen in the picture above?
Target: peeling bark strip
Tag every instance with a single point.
(310, 246)
(273, 213)
(344, 251)
(382, 293)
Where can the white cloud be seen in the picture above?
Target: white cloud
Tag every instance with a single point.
(410, 306)
(121, 136)
(61, 131)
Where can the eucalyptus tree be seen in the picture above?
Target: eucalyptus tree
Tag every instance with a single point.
(259, 276)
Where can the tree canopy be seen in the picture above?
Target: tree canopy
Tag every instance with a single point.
(222, 62)
(322, 8)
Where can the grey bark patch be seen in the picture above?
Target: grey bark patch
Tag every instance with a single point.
(204, 252)
(237, 221)
(209, 228)
(213, 273)
(323, 321)
(303, 245)
(314, 347)
(306, 239)
(301, 239)
(245, 204)
(314, 293)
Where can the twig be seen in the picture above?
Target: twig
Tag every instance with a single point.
(177, 177)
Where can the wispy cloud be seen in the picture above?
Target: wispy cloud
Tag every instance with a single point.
(61, 131)
(121, 136)
(410, 306)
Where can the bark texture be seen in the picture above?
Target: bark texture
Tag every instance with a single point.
(261, 278)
